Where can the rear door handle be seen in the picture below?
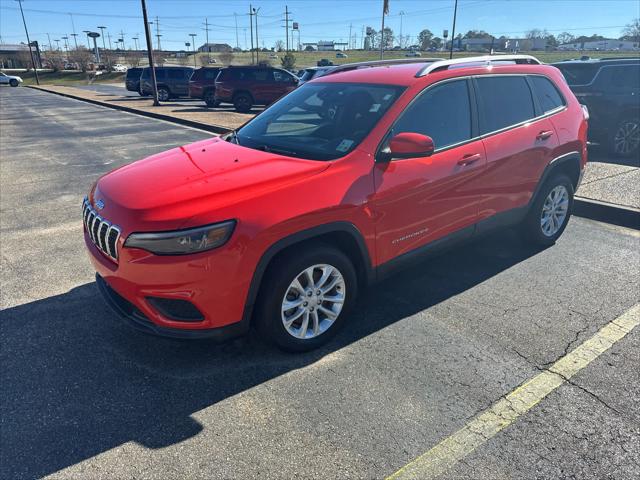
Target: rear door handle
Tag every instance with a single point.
(469, 159)
(543, 135)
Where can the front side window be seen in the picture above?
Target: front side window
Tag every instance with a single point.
(320, 121)
(176, 74)
(442, 112)
(547, 94)
(504, 101)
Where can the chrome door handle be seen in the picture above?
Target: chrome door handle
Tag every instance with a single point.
(469, 159)
(543, 135)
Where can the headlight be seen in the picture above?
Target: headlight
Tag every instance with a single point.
(182, 242)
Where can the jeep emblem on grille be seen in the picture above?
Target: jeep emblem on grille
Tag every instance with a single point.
(99, 204)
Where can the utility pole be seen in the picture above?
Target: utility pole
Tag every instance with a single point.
(33, 61)
(286, 26)
(350, 37)
(235, 18)
(73, 29)
(193, 45)
(121, 39)
(102, 29)
(255, 12)
(453, 29)
(158, 33)
(147, 34)
(49, 38)
(109, 37)
(401, 15)
(385, 10)
(251, 26)
(66, 45)
(206, 29)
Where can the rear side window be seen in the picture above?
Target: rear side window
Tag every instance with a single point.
(578, 73)
(504, 101)
(211, 73)
(197, 75)
(176, 74)
(161, 74)
(619, 78)
(547, 94)
(442, 112)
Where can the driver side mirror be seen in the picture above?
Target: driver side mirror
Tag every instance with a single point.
(407, 145)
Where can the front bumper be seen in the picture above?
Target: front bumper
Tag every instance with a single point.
(135, 318)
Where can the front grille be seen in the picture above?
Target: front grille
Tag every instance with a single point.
(103, 234)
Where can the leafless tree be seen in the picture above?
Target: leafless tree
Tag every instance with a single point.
(632, 31)
(82, 57)
(279, 46)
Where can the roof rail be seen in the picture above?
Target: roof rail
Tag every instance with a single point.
(378, 63)
(487, 59)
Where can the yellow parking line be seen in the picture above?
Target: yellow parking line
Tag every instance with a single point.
(507, 410)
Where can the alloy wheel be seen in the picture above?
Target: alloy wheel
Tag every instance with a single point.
(554, 210)
(313, 301)
(627, 138)
(163, 95)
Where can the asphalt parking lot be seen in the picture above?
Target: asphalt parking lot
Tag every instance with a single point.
(424, 353)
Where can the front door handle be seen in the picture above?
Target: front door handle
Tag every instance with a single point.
(543, 135)
(469, 159)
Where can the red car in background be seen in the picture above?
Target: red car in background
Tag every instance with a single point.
(353, 175)
(202, 85)
(247, 86)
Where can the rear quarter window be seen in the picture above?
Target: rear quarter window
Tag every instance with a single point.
(504, 101)
(578, 73)
(547, 94)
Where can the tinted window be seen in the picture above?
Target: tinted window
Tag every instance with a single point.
(504, 101)
(134, 73)
(548, 95)
(620, 78)
(320, 121)
(175, 74)
(442, 112)
(281, 76)
(578, 73)
(161, 73)
(211, 73)
(307, 75)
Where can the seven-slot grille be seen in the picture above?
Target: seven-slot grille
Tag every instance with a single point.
(103, 234)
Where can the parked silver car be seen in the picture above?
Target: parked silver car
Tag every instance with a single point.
(12, 80)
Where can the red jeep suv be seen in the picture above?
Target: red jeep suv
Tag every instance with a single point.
(371, 167)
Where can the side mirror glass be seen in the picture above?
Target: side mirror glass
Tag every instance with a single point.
(408, 145)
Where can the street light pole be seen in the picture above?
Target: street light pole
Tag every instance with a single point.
(102, 29)
(33, 60)
(255, 12)
(193, 45)
(152, 68)
(251, 27)
(453, 29)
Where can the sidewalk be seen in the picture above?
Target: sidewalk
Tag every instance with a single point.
(611, 180)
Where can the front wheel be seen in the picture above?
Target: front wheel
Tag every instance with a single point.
(305, 297)
(625, 141)
(242, 102)
(13, 82)
(550, 211)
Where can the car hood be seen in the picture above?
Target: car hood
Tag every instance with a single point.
(179, 187)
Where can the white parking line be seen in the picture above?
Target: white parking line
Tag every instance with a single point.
(507, 410)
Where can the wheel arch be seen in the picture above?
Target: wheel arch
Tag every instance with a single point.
(247, 92)
(568, 163)
(343, 235)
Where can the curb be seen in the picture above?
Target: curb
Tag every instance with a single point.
(158, 116)
(606, 212)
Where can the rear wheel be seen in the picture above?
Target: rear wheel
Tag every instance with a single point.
(242, 102)
(13, 82)
(550, 212)
(210, 99)
(305, 297)
(625, 141)
(163, 94)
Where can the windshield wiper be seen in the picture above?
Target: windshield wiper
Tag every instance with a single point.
(267, 148)
(233, 137)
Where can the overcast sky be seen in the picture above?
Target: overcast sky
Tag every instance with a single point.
(318, 19)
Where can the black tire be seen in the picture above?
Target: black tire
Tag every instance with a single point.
(532, 230)
(13, 82)
(163, 94)
(209, 98)
(275, 285)
(242, 102)
(624, 140)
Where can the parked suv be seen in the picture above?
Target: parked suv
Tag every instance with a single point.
(132, 80)
(172, 82)
(202, 85)
(610, 88)
(365, 170)
(249, 86)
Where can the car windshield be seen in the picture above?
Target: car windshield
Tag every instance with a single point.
(319, 121)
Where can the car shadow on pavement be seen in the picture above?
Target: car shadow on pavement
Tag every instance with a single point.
(76, 382)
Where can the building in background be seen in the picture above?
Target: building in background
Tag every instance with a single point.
(607, 44)
(215, 47)
(14, 55)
